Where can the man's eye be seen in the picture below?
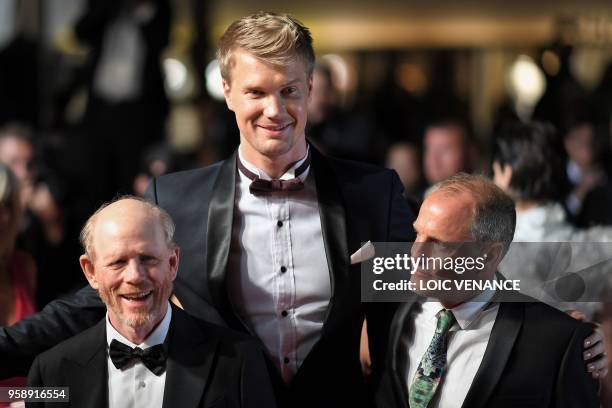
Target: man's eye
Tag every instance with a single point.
(290, 90)
(148, 259)
(117, 263)
(254, 93)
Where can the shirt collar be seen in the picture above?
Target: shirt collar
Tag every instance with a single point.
(157, 336)
(465, 313)
(288, 175)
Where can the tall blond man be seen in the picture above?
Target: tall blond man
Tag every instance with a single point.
(267, 234)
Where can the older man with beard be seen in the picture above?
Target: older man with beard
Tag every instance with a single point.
(146, 353)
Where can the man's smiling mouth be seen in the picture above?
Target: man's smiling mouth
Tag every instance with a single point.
(275, 128)
(136, 296)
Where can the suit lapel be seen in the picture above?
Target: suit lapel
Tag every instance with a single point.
(397, 360)
(219, 236)
(333, 228)
(190, 358)
(503, 335)
(88, 372)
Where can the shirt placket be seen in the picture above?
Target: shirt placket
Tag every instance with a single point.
(140, 385)
(285, 285)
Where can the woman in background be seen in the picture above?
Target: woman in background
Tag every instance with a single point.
(17, 269)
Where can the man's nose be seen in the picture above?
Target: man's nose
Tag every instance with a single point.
(134, 271)
(274, 106)
(417, 248)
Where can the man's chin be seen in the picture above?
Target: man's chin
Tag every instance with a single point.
(136, 320)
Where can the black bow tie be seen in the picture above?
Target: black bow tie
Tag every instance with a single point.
(260, 186)
(154, 358)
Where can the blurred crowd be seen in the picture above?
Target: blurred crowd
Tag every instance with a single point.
(54, 174)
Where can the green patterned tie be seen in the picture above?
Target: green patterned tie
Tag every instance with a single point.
(430, 370)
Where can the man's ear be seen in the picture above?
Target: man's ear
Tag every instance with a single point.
(494, 254)
(89, 270)
(227, 94)
(174, 262)
(310, 87)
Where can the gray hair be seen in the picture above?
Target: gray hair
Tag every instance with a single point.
(495, 216)
(165, 221)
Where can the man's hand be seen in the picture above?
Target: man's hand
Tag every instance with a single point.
(595, 348)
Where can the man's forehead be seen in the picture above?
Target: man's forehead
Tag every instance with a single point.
(294, 69)
(445, 204)
(12, 143)
(124, 216)
(446, 133)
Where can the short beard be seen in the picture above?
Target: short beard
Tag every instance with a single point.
(139, 319)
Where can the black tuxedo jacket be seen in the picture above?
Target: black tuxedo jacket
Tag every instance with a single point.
(533, 359)
(207, 366)
(357, 203)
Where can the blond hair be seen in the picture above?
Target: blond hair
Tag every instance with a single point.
(165, 221)
(272, 37)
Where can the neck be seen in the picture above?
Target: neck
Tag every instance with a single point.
(275, 166)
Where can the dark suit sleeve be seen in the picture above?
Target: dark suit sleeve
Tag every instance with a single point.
(35, 380)
(59, 320)
(255, 386)
(379, 314)
(575, 387)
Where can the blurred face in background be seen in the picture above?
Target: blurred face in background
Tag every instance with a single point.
(17, 154)
(405, 159)
(580, 145)
(323, 96)
(10, 211)
(445, 152)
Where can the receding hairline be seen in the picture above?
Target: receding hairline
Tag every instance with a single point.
(162, 218)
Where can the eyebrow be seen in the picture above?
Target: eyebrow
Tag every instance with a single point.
(292, 82)
(284, 85)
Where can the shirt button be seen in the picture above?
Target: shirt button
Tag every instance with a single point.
(284, 313)
(283, 269)
(279, 224)
(142, 384)
(286, 360)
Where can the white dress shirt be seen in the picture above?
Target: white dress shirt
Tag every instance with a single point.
(135, 386)
(278, 278)
(467, 342)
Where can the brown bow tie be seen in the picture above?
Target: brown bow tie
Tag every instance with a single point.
(260, 186)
